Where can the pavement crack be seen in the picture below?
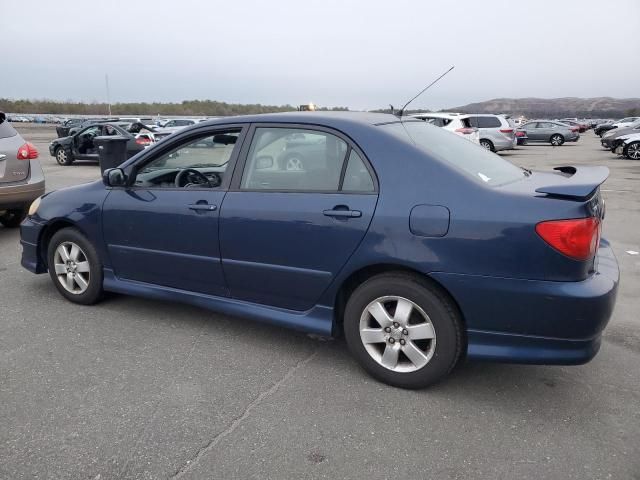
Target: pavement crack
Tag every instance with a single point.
(240, 418)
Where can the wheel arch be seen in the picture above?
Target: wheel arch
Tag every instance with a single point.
(360, 276)
(49, 231)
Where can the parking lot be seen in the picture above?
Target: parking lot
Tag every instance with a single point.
(134, 388)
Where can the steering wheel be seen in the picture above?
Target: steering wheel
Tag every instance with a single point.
(189, 173)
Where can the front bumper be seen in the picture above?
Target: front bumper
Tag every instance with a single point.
(30, 231)
(536, 321)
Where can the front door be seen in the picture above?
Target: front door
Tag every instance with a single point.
(300, 209)
(163, 229)
(84, 147)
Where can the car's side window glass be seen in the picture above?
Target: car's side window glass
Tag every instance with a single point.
(294, 159)
(356, 177)
(197, 163)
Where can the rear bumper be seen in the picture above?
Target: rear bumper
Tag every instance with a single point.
(18, 196)
(534, 321)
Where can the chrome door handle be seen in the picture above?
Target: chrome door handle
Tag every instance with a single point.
(342, 213)
(202, 207)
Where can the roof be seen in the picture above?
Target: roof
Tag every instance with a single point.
(317, 117)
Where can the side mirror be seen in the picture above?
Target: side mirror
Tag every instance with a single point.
(114, 177)
(264, 162)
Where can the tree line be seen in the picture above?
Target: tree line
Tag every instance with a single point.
(206, 108)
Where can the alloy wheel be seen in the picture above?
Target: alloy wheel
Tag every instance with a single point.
(633, 151)
(72, 268)
(397, 334)
(61, 156)
(294, 164)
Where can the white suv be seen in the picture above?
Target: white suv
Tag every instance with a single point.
(457, 123)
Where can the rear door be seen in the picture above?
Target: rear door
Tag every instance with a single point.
(296, 212)
(12, 169)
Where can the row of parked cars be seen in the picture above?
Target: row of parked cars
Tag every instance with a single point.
(622, 137)
(500, 132)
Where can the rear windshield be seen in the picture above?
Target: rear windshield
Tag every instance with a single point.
(6, 130)
(475, 161)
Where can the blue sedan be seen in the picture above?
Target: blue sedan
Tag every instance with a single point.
(417, 245)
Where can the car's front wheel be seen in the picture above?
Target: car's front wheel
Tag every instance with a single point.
(63, 157)
(402, 330)
(557, 140)
(632, 151)
(12, 218)
(75, 267)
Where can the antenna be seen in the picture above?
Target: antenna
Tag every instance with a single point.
(401, 111)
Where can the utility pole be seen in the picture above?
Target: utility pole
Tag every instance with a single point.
(106, 81)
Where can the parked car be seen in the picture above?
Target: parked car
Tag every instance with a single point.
(416, 269)
(521, 137)
(21, 177)
(62, 130)
(81, 146)
(549, 131)
(622, 123)
(181, 122)
(629, 146)
(496, 132)
(609, 139)
(453, 122)
(574, 123)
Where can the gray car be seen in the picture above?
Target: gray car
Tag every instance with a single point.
(608, 140)
(496, 131)
(21, 177)
(548, 131)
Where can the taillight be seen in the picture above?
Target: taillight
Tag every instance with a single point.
(520, 134)
(465, 131)
(27, 152)
(143, 141)
(506, 130)
(575, 129)
(577, 238)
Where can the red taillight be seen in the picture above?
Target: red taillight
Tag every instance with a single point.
(575, 129)
(465, 131)
(576, 238)
(27, 152)
(520, 134)
(143, 141)
(506, 130)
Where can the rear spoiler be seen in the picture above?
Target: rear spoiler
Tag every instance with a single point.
(577, 183)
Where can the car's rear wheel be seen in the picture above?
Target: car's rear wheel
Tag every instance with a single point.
(488, 144)
(63, 157)
(13, 218)
(557, 140)
(632, 151)
(402, 330)
(75, 267)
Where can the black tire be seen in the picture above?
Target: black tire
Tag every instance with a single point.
(488, 144)
(93, 292)
(443, 316)
(556, 140)
(632, 149)
(63, 157)
(13, 218)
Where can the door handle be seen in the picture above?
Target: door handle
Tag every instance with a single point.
(202, 207)
(342, 213)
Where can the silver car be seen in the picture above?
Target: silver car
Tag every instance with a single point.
(496, 131)
(21, 177)
(548, 131)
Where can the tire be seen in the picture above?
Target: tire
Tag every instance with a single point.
(487, 144)
(437, 356)
(556, 140)
(85, 267)
(63, 157)
(632, 151)
(13, 218)
(292, 162)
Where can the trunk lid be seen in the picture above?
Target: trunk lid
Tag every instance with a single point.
(12, 169)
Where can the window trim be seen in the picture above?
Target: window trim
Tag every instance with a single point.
(181, 139)
(241, 163)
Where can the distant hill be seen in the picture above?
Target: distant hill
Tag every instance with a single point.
(600, 107)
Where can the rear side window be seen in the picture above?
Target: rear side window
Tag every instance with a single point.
(474, 161)
(356, 177)
(6, 130)
(485, 122)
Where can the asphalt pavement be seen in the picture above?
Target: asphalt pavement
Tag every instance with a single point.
(133, 388)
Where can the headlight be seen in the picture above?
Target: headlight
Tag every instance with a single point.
(34, 206)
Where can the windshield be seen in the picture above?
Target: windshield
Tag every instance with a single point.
(475, 161)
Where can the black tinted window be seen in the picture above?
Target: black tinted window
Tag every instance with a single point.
(485, 122)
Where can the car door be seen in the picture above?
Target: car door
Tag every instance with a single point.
(82, 144)
(296, 212)
(165, 233)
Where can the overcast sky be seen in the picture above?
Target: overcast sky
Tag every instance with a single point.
(363, 54)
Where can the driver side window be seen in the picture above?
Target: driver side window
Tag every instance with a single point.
(197, 163)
